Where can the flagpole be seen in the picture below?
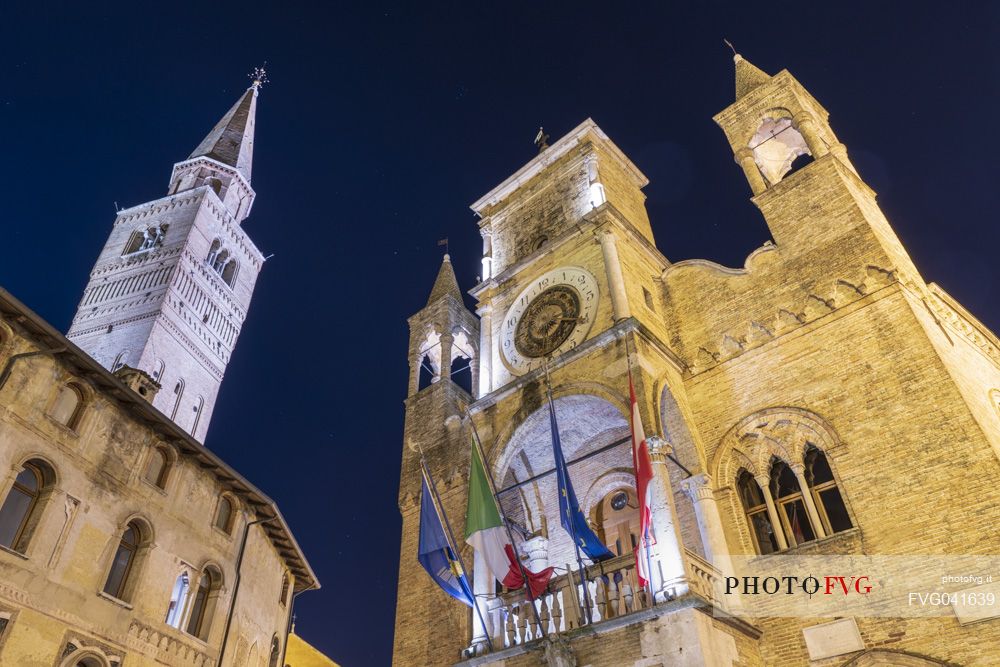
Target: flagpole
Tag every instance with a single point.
(635, 467)
(576, 544)
(503, 517)
(452, 544)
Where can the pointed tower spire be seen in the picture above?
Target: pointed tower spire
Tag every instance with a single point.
(446, 283)
(231, 140)
(748, 76)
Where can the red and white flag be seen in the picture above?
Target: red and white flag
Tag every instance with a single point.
(643, 477)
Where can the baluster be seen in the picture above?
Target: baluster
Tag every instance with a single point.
(614, 597)
(627, 596)
(571, 600)
(545, 615)
(556, 613)
(522, 622)
(511, 632)
(601, 600)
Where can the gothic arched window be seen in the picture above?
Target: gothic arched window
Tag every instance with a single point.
(791, 508)
(22, 507)
(756, 511)
(826, 495)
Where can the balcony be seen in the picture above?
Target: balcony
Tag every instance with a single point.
(614, 598)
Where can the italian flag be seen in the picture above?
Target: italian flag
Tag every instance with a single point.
(643, 467)
(485, 532)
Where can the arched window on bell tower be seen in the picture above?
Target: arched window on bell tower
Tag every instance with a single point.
(779, 148)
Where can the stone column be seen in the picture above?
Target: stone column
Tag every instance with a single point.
(669, 577)
(485, 349)
(744, 157)
(772, 511)
(414, 375)
(806, 126)
(616, 281)
(807, 498)
(537, 551)
(474, 369)
(706, 512)
(447, 341)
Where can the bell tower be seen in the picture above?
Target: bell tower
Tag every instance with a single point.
(799, 172)
(170, 290)
(442, 335)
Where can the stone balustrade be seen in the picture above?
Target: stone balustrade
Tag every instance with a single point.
(613, 591)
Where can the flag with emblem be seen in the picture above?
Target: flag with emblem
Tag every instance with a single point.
(435, 551)
(486, 533)
(570, 516)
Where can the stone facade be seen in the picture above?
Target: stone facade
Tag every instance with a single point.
(825, 378)
(170, 290)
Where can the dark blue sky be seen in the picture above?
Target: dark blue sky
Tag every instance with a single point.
(383, 122)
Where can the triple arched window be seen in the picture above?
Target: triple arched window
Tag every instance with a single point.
(790, 508)
(143, 240)
(222, 262)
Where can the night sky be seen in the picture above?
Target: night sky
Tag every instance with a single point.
(382, 123)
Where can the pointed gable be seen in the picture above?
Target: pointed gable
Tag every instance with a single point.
(748, 76)
(231, 140)
(446, 283)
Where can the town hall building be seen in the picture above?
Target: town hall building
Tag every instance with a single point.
(822, 400)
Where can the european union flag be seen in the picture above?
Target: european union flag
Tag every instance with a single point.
(570, 516)
(435, 553)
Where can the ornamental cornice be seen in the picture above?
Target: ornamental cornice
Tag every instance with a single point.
(807, 307)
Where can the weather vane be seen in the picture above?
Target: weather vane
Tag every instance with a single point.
(258, 75)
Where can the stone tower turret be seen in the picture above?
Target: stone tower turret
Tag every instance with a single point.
(777, 129)
(170, 290)
(443, 332)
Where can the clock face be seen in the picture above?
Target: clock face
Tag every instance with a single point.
(552, 315)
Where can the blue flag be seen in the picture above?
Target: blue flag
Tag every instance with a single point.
(570, 516)
(436, 555)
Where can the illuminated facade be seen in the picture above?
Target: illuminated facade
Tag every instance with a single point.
(823, 399)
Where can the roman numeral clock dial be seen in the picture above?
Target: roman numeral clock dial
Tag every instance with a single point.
(552, 315)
